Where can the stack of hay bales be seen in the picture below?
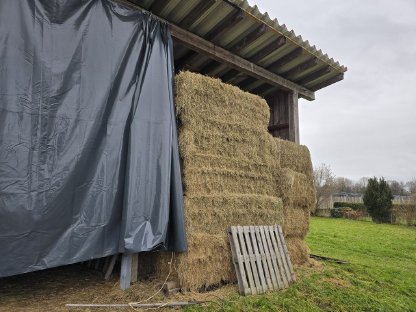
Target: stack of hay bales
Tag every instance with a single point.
(232, 175)
(296, 188)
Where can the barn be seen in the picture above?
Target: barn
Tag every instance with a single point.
(104, 151)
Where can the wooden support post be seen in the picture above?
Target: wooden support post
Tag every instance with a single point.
(293, 117)
(134, 267)
(279, 115)
(125, 272)
(109, 268)
(284, 115)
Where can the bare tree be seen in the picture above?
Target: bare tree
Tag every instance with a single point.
(398, 187)
(362, 185)
(324, 183)
(342, 184)
(411, 186)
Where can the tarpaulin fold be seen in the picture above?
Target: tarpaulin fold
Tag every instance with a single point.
(89, 162)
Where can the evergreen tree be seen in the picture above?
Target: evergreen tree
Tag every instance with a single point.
(378, 200)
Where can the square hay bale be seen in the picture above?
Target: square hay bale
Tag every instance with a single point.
(214, 180)
(213, 214)
(232, 141)
(298, 250)
(296, 189)
(199, 98)
(207, 262)
(296, 222)
(294, 156)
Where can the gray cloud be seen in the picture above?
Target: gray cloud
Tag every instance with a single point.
(365, 125)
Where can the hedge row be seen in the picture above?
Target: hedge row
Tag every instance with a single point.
(355, 206)
(361, 206)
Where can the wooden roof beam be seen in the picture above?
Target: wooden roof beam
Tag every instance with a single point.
(271, 47)
(260, 90)
(229, 75)
(184, 61)
(294, 72)
(314, 75)
(220, 29)
(240, 64)
(197, 11)
(157, 6)
(210, 67)
(246, 82)
(328, 82)
(249, 38)
(285, 59)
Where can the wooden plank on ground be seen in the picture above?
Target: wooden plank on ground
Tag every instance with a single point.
(260, 258)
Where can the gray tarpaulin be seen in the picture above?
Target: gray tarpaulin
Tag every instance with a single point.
(89, 162)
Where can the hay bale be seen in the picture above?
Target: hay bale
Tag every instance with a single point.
(222, 139)
(298, 250)
(222, 210)
(295, 222)
(296, 189)
(199, 98)
(213, 180)
(207, 262)
(226, 163)
(294, 156)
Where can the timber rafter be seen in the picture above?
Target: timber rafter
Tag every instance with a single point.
(221, 55)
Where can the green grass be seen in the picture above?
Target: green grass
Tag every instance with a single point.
(380, 276)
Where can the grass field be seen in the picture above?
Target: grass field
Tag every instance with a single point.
(380, 276)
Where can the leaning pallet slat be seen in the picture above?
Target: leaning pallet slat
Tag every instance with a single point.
(286, 253)
(278, 257)
(258, 259)
(273, 256)
(263, 258)
(283, 255)
(252, 258)
(268, 258)
(246, 258)
(238, 263)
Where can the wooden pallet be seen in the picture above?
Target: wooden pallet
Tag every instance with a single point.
(261, 258)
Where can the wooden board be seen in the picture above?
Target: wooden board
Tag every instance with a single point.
(261, 259)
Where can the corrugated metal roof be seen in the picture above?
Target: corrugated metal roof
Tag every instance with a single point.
(242, 29)
(290, 34)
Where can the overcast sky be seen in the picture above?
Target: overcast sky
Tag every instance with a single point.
(366, 124)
